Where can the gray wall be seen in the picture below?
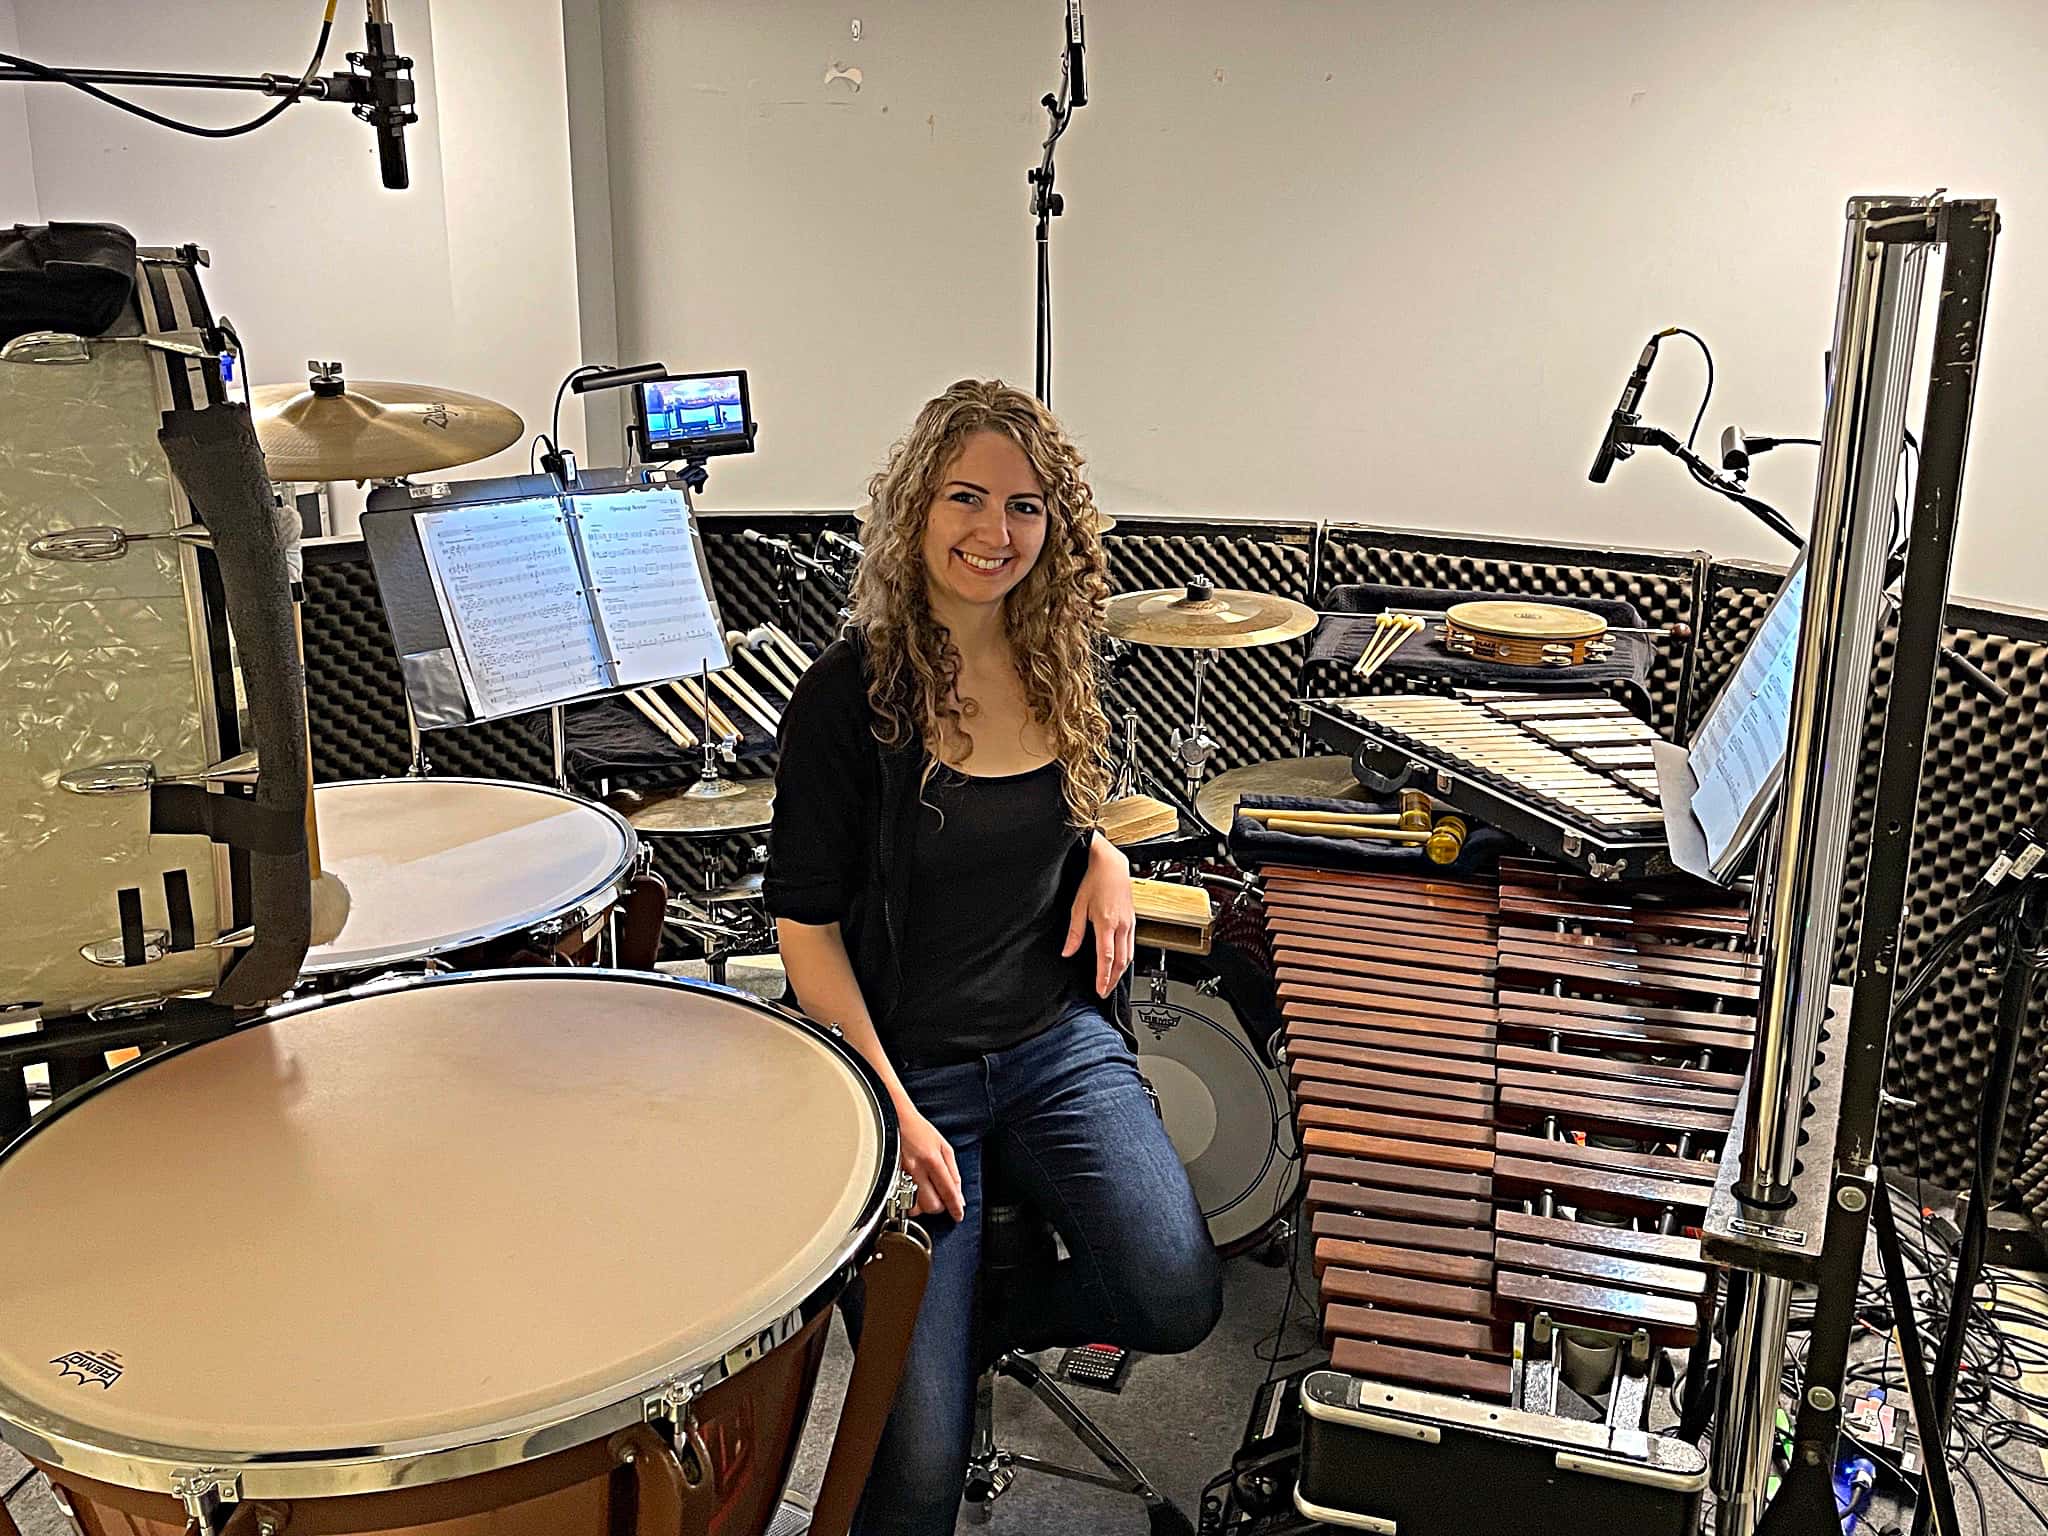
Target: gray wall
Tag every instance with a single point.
(1386, 260)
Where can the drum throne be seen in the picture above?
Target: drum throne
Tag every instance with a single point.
(1018, 1240)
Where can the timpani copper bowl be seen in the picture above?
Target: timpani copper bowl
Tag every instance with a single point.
(497, 1254)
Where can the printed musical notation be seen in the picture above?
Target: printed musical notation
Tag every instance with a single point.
(652, 607)
(1737, 755)
(554, 598)
(513, 594)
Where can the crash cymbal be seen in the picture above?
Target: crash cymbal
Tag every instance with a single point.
(1201, 617)
(740, 805)
(1318, 778)
(372, 429)
(1103, 521)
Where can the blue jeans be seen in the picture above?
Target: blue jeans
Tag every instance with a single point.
(1067, 1117)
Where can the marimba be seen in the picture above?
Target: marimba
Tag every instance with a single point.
(1511, 1097)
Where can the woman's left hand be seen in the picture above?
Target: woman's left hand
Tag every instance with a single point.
(1104, 903)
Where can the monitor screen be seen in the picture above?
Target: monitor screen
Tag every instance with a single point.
(694, 414)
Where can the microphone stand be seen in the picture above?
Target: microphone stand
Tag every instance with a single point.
(1047, 205)
(1629, 434)
(378, 87)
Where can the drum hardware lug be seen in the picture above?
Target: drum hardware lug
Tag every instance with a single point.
(668, 1407)
(551, 930)
(1210, 986)
(1610, 870)
(128, 776)
(902, 1198)
(101, 542)
(205, 1493)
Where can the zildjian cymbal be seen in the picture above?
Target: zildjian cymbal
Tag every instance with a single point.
(1200, 617)
(372, 429)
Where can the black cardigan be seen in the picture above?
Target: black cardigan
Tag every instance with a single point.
(845, 817)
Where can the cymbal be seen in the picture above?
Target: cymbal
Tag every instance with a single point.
(1320, 778)
(373, 429)
(741, 805)
(1200, 617)
(1103, 521)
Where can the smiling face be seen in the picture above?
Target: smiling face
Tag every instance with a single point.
(986, 526)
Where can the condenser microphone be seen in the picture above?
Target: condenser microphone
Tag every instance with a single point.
(1611, 446)
(1077, 43)
(389, 110)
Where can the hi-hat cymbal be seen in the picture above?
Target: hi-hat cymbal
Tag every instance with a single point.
(1316, 778)
(742, 805)
(1201, 617)
(1103, 521)
(372, 429)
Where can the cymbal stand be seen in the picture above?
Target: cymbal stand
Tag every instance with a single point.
(711, 784)
(1192, 745)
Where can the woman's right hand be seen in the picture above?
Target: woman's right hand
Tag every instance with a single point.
(928, 1158)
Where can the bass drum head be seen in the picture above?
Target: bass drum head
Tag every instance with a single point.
(1225, 1108)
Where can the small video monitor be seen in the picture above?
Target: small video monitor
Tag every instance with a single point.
(694, 416)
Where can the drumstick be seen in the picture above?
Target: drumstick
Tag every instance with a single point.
(660, 721)
(725, 685)
(668, 712)
(796, 653)
(706, 710)
(737, 679)
(1369, 661)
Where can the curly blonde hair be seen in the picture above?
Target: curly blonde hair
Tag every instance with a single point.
(1052, 617)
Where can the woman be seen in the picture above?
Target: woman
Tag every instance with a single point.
(942, 896)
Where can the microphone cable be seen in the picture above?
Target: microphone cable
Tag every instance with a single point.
(198, 130)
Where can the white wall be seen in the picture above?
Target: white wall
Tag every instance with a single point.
(1384, 260)
(467, 279)
(18, 204)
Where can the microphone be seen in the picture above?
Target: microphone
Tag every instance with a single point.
(767, 541)
(1077, 41)
(1736, 450)
(841, 541)
(389, 109)
(1611, 447)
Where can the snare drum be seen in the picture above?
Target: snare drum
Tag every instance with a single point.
(466, 872)
(523, 1252)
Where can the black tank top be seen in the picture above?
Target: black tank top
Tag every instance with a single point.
(982, 969)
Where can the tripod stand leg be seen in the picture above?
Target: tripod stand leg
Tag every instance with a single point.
(1941, 1494)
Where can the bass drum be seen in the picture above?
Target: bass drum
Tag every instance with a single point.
(1201, 1031)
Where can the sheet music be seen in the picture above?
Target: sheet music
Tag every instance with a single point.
(507, 579)
(1738, 754)
(653, 610)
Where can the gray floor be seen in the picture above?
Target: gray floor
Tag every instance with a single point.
(1178, 1418)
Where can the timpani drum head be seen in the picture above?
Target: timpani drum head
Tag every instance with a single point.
(433, 865)
(427, 1214)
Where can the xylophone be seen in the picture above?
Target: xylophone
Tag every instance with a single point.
(1511, 1099)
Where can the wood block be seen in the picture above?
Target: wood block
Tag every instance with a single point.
(1137, 817)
